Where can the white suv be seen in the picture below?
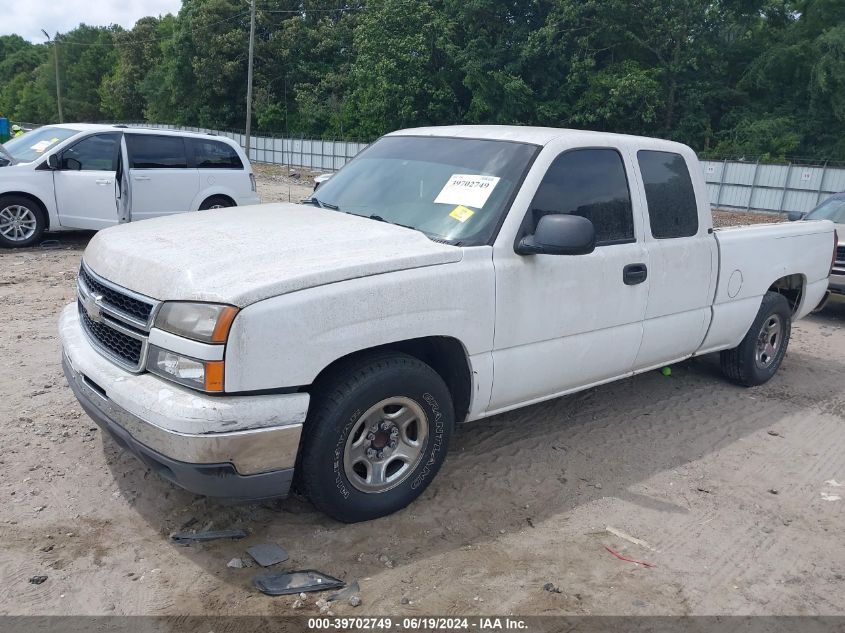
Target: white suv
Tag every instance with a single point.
(82, 176)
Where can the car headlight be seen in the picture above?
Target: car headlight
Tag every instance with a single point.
(206, 375)
(205, 322)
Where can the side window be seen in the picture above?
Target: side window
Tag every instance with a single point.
(210, 154)
(590, 183)
(94, 153)
(672, 208)
(148, 151)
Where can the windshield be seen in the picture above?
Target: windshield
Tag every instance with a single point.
(32, 145)
(450, 189)
(832, 209)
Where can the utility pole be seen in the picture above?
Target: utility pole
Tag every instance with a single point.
(56, 64)
(249, 75)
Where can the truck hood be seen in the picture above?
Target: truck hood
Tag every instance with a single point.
(246, 254)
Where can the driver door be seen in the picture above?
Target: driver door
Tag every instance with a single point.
(84, 183)
(567, 321)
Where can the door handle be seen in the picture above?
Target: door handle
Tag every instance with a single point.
(103, 181)
(634, 274)
(142, 178)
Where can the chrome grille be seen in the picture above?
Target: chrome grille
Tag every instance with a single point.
(117, 321)
(131, 306)
(127, 348)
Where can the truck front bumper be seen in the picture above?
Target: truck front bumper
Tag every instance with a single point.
(235, 447)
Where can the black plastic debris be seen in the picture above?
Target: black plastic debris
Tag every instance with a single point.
(37, 580)
(267, 554)
(295, 582)
(186, 538)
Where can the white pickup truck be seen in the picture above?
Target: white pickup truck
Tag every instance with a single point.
(445, 274)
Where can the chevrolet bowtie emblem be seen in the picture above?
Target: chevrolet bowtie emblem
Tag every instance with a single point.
(93, 308)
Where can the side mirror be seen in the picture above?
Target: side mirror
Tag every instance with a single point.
(53, 161)
(560, 234)
(319, 180)
(795, 216)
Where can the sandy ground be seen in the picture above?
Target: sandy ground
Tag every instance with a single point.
(731, 489)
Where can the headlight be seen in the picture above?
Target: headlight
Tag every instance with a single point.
(206, 375)
(205, 322)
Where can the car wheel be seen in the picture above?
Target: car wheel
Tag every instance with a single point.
(757, 358)
(377, 432)
(22, 222)
(216, 202)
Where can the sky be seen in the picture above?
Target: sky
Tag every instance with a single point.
(27, 17)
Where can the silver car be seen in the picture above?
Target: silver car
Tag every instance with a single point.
(833, 209)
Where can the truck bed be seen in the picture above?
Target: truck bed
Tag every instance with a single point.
(754, 258)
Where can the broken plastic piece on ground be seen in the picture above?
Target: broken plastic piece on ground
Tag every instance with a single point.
(628, 560)
(350, 590)
(267, 554)
(186, 538)
(295, 582)
(37, 580)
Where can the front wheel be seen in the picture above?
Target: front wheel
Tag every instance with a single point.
(22, 222)
(377, 433)
(757, 358)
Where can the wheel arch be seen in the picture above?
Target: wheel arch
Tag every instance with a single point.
(791, 287)
(218, 195)
(446, 355)
(36, 200)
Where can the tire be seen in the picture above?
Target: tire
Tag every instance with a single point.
(752, 362)
(216, 202)
(382, 391)
(22, 222)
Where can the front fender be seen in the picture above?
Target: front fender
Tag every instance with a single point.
(288, 340)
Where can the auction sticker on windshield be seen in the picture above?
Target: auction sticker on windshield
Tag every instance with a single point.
(461, 213)
(40, 146)
(467, 189)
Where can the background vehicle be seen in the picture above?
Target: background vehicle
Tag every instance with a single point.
(448, 274)
(78, 176)
(833, 209)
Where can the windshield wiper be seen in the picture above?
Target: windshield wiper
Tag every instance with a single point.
(378, 218)
(323, 205)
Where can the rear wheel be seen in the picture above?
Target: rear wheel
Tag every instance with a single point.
(377, 433)
(757, 358)
(216, 202)
(22, 222)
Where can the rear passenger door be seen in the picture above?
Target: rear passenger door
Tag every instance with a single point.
(682, 254)
(160, 179)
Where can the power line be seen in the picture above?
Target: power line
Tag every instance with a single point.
(164, 37)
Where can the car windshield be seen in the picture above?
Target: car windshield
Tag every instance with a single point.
(32, 145)
(451, 189)
(832, 209)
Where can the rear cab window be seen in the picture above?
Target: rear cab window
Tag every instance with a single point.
(153, 151)
(592, 183)
(672, 206)
(213, 154)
